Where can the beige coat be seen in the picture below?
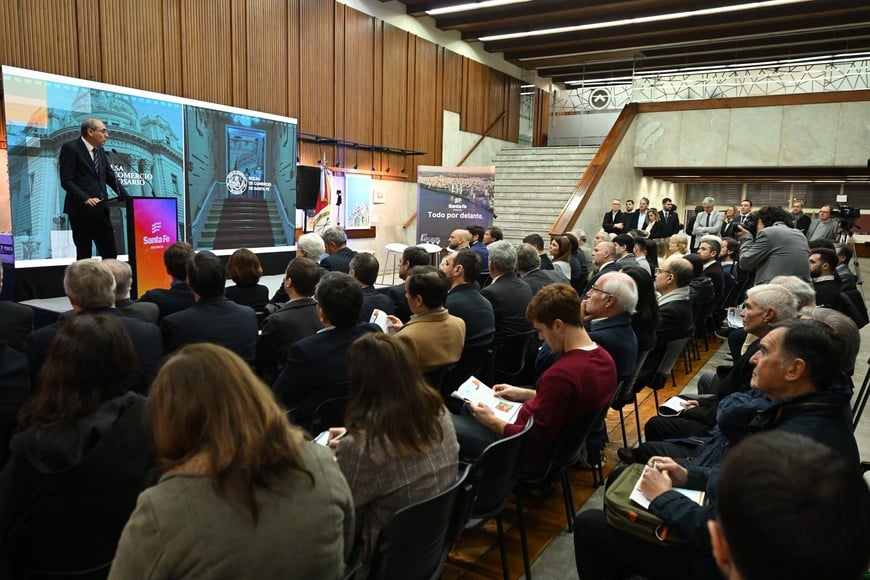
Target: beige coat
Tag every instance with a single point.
(437, 336)
(182, 529)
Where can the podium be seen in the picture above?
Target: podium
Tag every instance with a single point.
(151, 227)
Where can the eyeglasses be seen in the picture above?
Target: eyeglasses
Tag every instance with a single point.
(597, 289)
(660, 270)
(103, 130)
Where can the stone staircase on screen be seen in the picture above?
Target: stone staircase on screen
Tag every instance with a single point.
(532, 185)
(243, 223)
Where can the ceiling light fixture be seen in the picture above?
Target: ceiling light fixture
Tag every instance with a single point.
(469, 6)
(641, 20)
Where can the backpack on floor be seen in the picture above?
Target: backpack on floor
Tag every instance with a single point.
(626, 516)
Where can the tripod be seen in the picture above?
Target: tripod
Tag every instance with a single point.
(846, 236)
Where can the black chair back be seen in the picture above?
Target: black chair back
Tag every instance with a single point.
(509, 358)
(329, 413)
(472, 362)
(497, 469)
(411, 544)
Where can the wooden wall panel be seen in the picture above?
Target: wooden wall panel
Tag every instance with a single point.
(267, 56)
(132, 52)
(317, 67)
(426, 119)
(394, 101)
(293, 59)
(34, 41)
(475, 96)
(357, 90)
(173, 69)
(496, 104)
(540, 130)
(238, 40)
(88, 29)
(208, 69)
(451, 88)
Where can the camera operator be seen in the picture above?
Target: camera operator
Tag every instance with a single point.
(777, 249)
(824, 227)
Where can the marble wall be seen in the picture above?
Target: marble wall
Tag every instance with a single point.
(830, 134)
(622, 180)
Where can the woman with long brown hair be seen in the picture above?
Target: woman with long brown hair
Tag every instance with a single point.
(82, 457)
(400, 446)
(560, 249)
(242, 493)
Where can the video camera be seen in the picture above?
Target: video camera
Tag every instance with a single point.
(845, 213)
(846, 216)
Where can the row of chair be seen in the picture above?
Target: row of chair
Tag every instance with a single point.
(408, 544)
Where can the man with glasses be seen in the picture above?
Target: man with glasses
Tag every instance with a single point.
(84, 174)
(607, 308)
(675, 311)
(823, 228)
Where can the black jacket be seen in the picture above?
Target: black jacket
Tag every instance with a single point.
(67, 492)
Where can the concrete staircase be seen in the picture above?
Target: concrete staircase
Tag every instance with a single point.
(242, 223)
(532, 185)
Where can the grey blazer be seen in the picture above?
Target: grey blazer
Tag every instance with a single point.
(776, 250)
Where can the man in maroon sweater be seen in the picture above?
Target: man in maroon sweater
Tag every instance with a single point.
(580, 382)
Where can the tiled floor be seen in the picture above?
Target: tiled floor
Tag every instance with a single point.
(557, 561)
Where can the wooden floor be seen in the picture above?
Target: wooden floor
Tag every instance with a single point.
(476, 555)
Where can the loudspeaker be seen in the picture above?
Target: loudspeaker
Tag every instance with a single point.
(307, 186)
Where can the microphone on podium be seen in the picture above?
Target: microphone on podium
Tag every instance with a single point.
(145, 179)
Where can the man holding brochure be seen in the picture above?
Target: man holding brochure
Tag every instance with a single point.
(580, 382)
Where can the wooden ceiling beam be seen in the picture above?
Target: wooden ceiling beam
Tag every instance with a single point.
(651, 35)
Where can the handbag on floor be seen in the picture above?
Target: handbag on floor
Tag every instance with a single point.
(625, 515)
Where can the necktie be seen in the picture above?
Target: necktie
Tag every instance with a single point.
(97, 160)
(708, 220)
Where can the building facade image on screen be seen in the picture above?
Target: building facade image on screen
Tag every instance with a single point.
(231, 171)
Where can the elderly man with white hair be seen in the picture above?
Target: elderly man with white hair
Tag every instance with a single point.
(708, 222)
(608, 307)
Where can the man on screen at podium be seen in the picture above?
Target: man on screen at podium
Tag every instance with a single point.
(84, 174)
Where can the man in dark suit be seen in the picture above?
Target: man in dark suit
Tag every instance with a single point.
(607, 307)
(529, 269)
(84, 174)
(214, 317)
(179, 296)
(675, 311)
(16, 320)
(508, 294)
(708, 251)
(630, 219)
(364, 268)
(612, 217)
(603, 257)
(465, 301)
(412, 256)
(123, 274)
(295, 320)
(623, 252)
(316, 368)
(335, 244)
(801, 220)
(90, 288)
(669, 218)
(537, 241)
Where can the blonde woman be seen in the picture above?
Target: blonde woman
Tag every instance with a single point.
(678, 245)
